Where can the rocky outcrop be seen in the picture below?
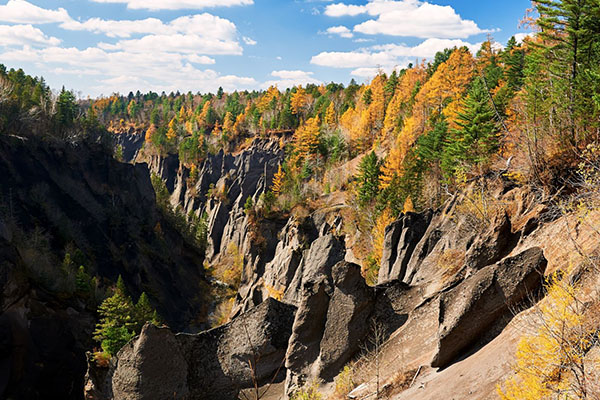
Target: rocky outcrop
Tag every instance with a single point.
(470, 309)
(58, 198)
(401, 238)
(215, 364)
(332, 319)
(130, 142)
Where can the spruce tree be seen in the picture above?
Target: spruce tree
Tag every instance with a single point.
(368, 178)
(475, 138)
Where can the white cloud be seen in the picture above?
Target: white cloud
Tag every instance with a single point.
(195, 34)
(249, 41)
(111, 28)
(195, 58)
(288, 79)
(23, 12)
(369, 72)
(343, 10)
(408, 18)
(177, 4)
(125, 71)
(520, 37)
(19, 35)
(178, 43)
(206, 25)
(386, 56)
(340, 30)
(352, 59)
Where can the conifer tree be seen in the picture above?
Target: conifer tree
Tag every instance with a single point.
(368, 178)
(475, 137)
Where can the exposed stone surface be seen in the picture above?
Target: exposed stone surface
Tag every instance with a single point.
(494, 244)
(214, 364)
(151, 367)
(401, 238)
(469, 309)
(131, 142)
(330, 325)
(65, 197)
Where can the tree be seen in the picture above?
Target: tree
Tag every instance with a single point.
(172, 133)
(551, 356)
(569, 30)
(306, 138)
(66, 108)
(299, 101)
(368, 178)
(120, 319)
(330, 116)
(116, 325)
(278, 181)
(475, 137)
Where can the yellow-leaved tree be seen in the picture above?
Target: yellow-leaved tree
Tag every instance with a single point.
(172, 133)
(228, 123)
(552, 361)
(265, 101)
(299, 101)
(306, 139)
(441, 94)
(330, 116)
(278, 181)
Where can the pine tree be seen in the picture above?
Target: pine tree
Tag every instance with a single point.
(66, 108)
(120, 319)
(117, 320)
(475, 137)
(569, 29)
(368, 178)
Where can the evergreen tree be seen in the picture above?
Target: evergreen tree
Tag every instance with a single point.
(569, 29)
(514, 61)
(368, 178)
(120, 319)
(66, 108)
(476, 136)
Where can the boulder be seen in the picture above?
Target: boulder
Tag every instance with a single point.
(470, 309)
(152, 367)
(214, 364)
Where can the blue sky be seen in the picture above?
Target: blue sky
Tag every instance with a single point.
(103, 46)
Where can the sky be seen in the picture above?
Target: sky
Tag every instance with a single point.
(99, 47)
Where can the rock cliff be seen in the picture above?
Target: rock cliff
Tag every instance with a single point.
(447, 286)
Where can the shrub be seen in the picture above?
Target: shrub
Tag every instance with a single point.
(344, 382)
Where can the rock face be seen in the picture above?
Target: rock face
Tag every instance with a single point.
(57, 198)
(211, 365)
(131, 142)
(330, 325)
(446, 285)
(401, 238)
(485, 297)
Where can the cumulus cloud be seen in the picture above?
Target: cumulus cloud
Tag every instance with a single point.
(194, 34)
(124, 71)
(249, 41)
(155, 5)
(287, 79)
(162, 56)
(23, 12)
(206, 25)
(387, 56)
(408, 18)
(341, 31)
(11, 35)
